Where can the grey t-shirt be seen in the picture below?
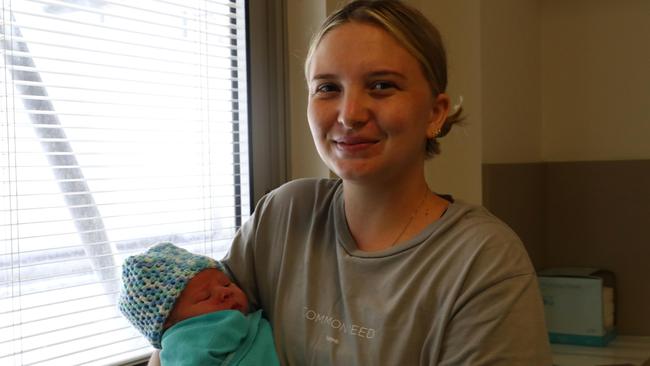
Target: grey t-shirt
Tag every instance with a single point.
(463, 292)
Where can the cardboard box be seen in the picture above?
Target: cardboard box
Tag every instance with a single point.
(579, 305)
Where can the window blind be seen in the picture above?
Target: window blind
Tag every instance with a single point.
(124, 124)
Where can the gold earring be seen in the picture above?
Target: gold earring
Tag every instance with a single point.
(435, 134)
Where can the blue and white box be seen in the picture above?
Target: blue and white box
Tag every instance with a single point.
(579, 305)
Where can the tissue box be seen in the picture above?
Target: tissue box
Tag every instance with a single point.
(578, 305)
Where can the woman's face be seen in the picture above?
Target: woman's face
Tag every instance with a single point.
(370, 107)
(208, 291)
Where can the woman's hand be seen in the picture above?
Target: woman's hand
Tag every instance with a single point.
(154, 360)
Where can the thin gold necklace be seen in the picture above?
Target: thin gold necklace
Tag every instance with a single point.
(426, 193)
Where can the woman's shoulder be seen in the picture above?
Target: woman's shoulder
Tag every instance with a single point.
(304, 189)
(480, 235)
(308, 185)
(475, 219)
(303, 192)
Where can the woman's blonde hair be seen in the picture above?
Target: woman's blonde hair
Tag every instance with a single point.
(413, 31)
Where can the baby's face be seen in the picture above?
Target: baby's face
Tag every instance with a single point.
(208, 291)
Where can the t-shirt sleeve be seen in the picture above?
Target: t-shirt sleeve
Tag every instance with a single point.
(502, 325)
(239, 262)
(258, 252)
(499, 319)
(254, 257)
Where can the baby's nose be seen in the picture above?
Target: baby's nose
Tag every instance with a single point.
(225, 293)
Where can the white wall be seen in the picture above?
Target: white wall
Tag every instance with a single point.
(511, 68)
(457, 170)
(565, 80)
(595, 79)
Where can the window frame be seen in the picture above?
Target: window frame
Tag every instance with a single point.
(267, 96)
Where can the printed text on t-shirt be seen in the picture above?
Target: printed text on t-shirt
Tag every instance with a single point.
(334, 323)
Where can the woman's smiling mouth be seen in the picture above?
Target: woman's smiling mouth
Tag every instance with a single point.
(351, 144)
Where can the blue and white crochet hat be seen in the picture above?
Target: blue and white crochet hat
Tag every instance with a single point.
(151, 283)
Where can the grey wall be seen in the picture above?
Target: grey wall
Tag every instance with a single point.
(588, 214)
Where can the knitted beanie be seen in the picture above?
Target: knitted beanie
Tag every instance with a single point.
(151, 283)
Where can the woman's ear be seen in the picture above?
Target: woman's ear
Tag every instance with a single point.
(439, 112)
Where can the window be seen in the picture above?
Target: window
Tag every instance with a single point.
(122, 124)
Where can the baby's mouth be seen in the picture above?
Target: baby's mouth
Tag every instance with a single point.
(237, 306)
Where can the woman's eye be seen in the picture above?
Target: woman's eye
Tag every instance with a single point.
(382, 85)
(326, 88)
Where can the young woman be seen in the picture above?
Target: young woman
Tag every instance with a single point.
(375, 268)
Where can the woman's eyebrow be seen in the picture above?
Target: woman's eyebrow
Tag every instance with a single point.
(372, 74)
(323, 76)
(382, 73)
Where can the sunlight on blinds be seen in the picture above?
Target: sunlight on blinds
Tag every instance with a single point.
(123, 124)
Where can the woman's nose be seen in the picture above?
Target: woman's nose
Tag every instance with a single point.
(353, 111)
